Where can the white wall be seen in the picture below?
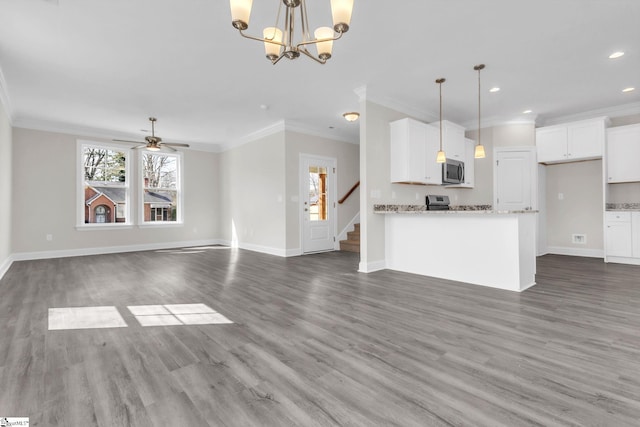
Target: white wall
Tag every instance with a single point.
(580, 210)
(252, 180)
(44, 200)
(5, 189)
(347, 171)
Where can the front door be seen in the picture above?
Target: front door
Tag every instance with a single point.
(515, 179)
(317, 177)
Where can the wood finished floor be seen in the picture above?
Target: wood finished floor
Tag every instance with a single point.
(315, 343)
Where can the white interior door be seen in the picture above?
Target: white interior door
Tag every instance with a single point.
(515, 178)
(318, 197)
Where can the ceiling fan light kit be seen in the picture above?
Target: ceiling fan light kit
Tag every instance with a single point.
(154, 143)
(279, 40)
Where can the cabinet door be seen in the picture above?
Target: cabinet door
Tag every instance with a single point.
(635, 234)
(618, 233)
(623, 152)
(433, 170)
(585, 140)
(453, 141)
(551, 144)
(407, 151)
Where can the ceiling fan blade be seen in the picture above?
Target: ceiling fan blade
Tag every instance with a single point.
(140, 146)
(126, 140)
(175, 144)
(169, 147)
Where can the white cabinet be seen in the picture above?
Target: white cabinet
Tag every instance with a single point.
(618, 234)
(453, 142)
(635, 234)
(571, 142)
(623, 152)
(413, 153)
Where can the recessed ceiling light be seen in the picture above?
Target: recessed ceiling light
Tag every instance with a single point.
(527, 111)
(615, 55)
(628, 89)
(494, 89)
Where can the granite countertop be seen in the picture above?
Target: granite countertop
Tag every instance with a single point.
(622, 206)
(460, 209)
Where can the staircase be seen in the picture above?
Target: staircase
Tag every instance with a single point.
(352, 244)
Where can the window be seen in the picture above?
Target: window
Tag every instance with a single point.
(160, 188)
(103, 196)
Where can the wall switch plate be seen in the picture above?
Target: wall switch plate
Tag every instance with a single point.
(579, 239)
(560, 196)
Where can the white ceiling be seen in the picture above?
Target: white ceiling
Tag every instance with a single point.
(104, 66)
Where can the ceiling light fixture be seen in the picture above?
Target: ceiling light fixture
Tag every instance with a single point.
(351, 117)
(441, 157)
(615, 55)
(279, 43)
(527, 112)
(494, 89)
(628, 89)
(479, 151)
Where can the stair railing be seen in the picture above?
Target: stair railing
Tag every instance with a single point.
(346, 196)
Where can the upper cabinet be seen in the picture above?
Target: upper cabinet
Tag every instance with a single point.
(452, 140)
(571, 142)
(413, 150)
(623, 152)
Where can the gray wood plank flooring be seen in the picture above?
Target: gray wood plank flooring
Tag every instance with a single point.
(314, 343)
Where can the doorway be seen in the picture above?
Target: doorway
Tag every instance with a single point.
(318, 207)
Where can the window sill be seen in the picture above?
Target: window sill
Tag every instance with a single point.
(111, 226)
(160, 224)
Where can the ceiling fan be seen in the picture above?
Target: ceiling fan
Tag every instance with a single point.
(154, 143)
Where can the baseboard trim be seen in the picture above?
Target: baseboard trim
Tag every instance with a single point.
(26, 256)
(5, 266)
(560, 250)
(622, 260)
(370, 267)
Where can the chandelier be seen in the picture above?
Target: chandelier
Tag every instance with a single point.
(279, 41)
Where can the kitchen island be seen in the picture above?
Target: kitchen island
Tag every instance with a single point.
(473, 244)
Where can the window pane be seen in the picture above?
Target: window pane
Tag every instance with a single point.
(318, 193)
(105, 186)
(160, 183)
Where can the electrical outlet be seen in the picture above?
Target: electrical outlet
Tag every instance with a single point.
(49, 237)
(560, 196)
(579, 239)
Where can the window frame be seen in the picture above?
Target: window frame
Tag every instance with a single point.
(80, 185)
(179, 222)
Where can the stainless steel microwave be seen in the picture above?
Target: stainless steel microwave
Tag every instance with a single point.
(453, 172)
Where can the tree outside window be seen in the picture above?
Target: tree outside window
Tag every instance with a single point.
(160, 187)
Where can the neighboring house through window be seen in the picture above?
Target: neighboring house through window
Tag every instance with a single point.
(161, 188)
(103, 177)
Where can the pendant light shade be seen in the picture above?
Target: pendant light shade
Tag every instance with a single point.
(479, 151)
(240, 13)
(441, 157)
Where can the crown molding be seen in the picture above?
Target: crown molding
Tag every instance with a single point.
(276, 127)
(495, 121)
(321, 133)
(5, 99)
(616, 111)
(284, 126)
(91, 132)
(394, 104)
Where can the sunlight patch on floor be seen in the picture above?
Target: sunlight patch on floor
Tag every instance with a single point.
(177, 314)
(85, 318)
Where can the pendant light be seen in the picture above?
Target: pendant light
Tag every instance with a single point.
(441, 158)
(479, 151)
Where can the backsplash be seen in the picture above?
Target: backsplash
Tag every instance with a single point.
(622, 206)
